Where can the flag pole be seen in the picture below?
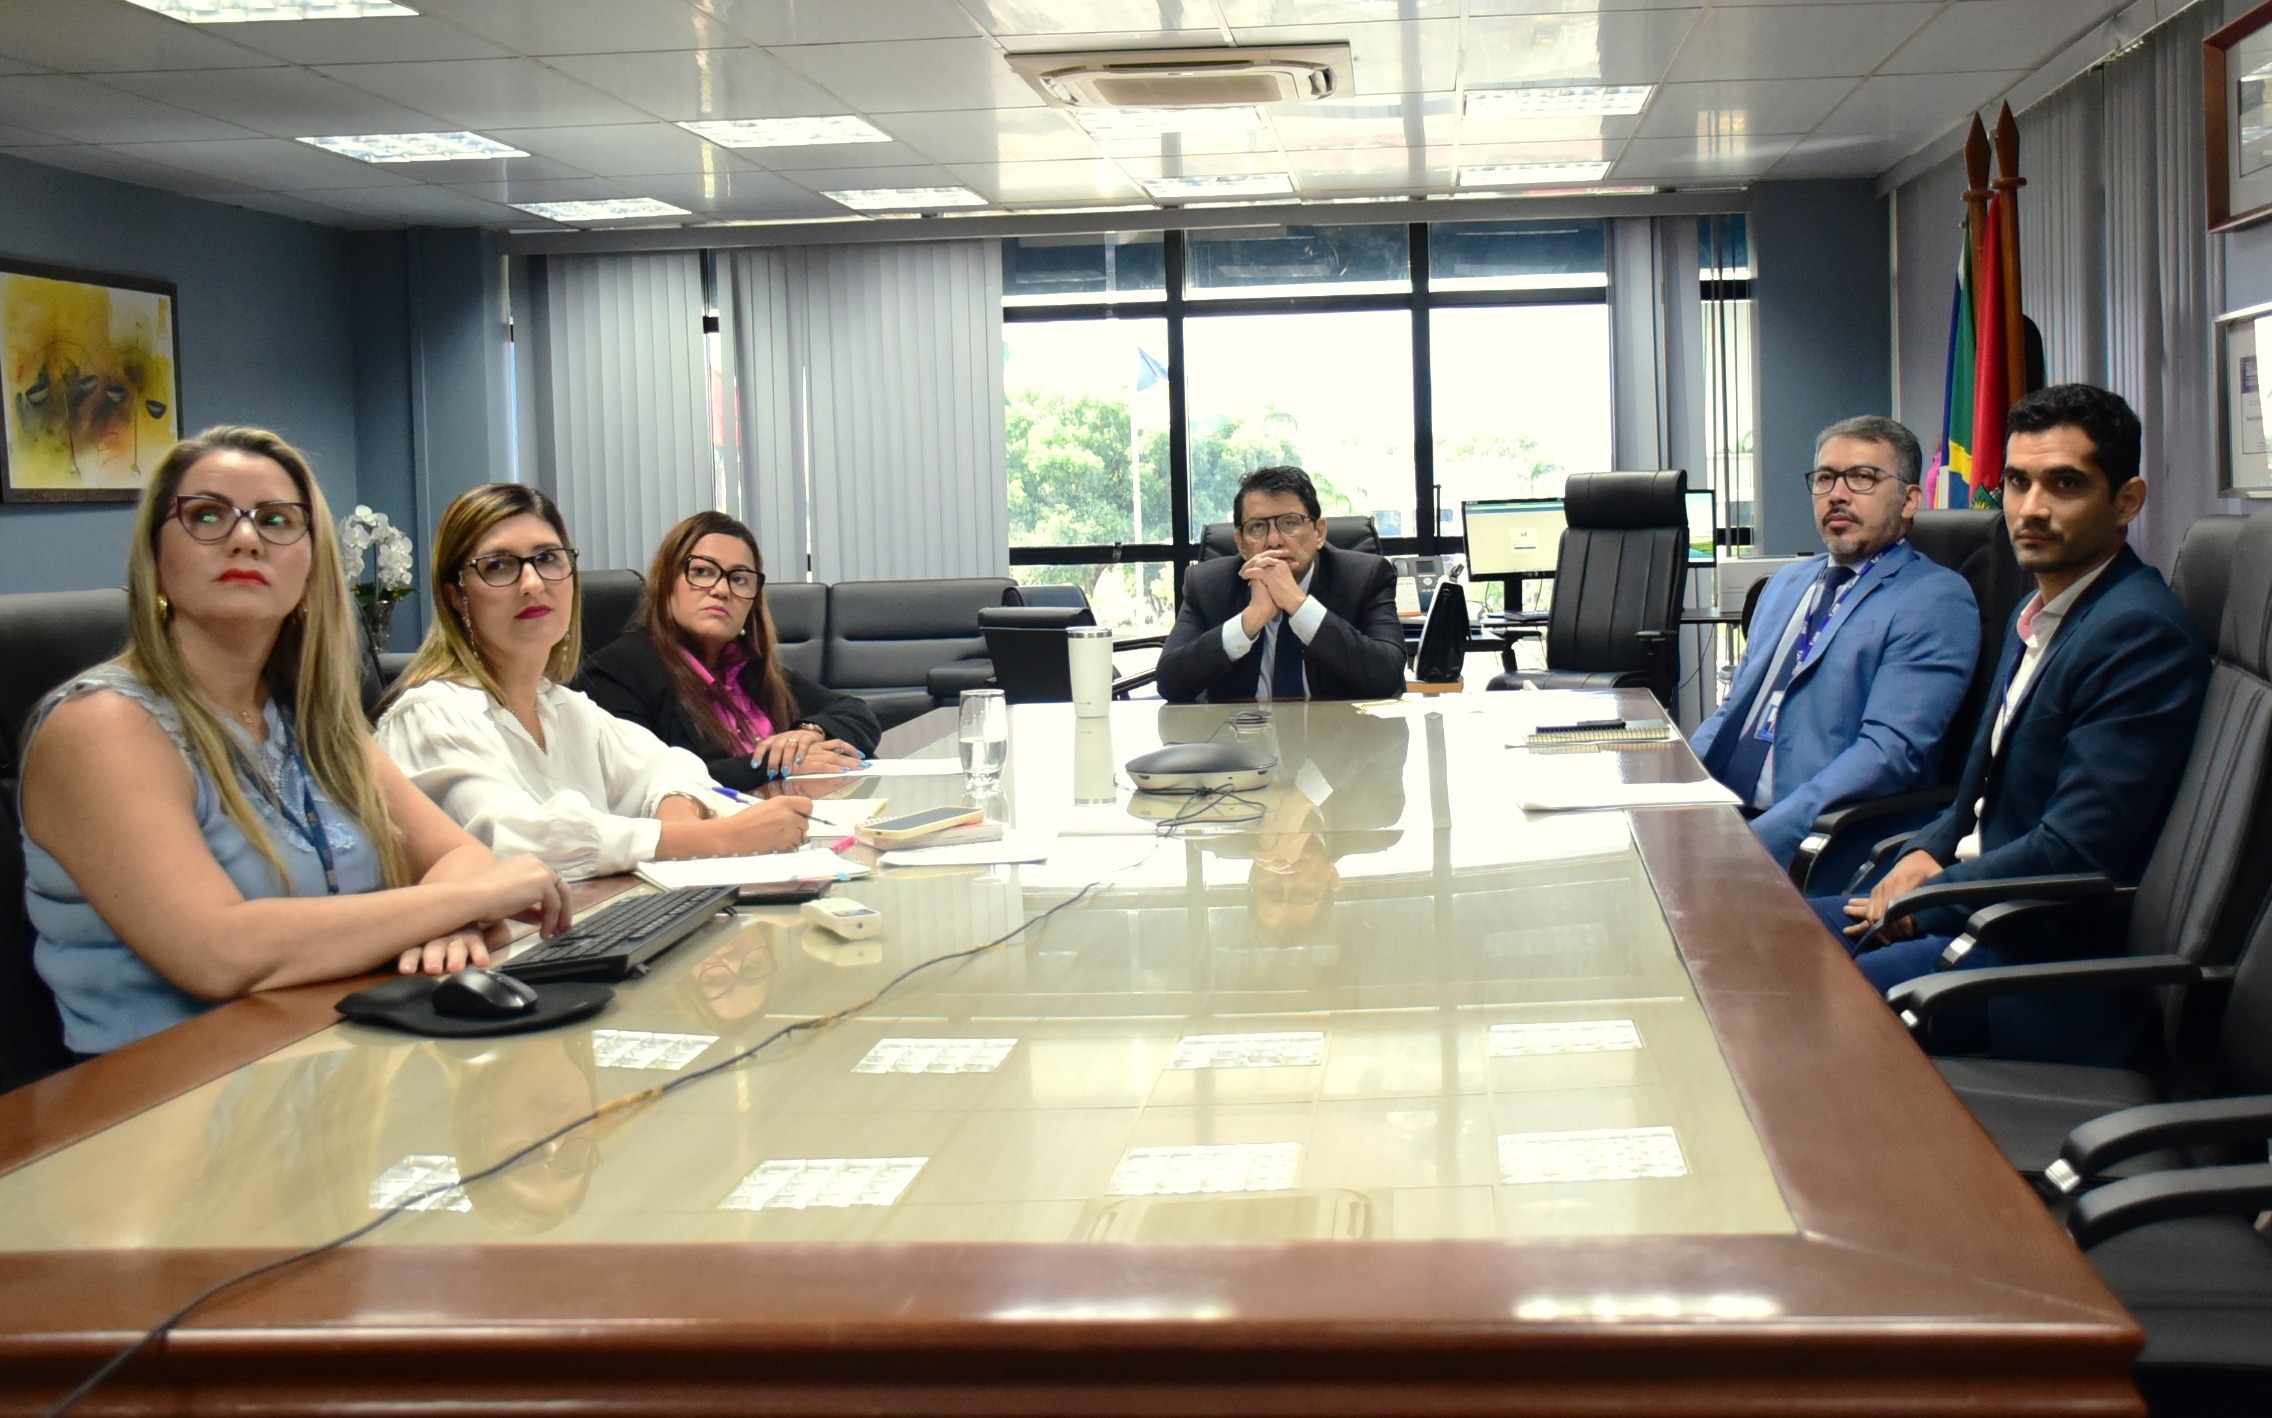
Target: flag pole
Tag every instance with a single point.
(2008, 185)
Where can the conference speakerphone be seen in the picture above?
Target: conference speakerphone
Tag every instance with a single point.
(1202, 768)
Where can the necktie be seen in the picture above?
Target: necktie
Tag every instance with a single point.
(1287, 681)
(1749, 759)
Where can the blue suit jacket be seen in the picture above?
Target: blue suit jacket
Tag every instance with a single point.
(2091, 762)
(1865, 716)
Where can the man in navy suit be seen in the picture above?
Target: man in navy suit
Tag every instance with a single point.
(1288, 618)
(1857, 659)
(2077, 761)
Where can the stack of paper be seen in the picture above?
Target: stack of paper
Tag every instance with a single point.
(810, 864)
(1013, 847)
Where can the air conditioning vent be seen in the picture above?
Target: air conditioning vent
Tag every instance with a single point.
(1188, 78)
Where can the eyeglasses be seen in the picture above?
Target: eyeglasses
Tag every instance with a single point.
(502, 568)
(702, 573)
(1287, 523)
(214, 519)
(1861, 479)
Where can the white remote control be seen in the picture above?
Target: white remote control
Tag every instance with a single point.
(846, 918)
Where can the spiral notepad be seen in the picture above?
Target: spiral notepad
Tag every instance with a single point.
(1632, 735)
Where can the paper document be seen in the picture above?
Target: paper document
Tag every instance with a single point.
(810, 864)
(1014, 847)
(892, 768)
(1576, 795)
(833, 817)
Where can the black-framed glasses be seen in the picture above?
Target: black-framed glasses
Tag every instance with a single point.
(1287, 523)
(1861, 479)
(214, 520)
(502, 568)
(702, 573)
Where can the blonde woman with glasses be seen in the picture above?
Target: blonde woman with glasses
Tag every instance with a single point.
(485, 723)
(207, 815)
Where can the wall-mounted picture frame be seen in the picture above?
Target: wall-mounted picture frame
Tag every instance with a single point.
(90, 371)
(2236, 94)
(2245, 456)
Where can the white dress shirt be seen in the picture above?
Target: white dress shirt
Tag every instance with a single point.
(1236, 642)
(585, 802)
(2039, 621)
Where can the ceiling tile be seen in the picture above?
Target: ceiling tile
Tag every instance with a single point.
(1014, 183)
(1246, 14)
(86, 112)
(1497, 154)
(826, 179)
(1393, 57)
(109, 36)
(904, 76)
(529, 169)
(1780, 42)
(121, 167)
(1140, 166)
(488, 93)
(1840, 157)
(704, 83)
(277, 164)
(1997, 34)
(1395, 168)
(1403, 119)
(1913, 106)
(1673, 159)
(550, 189)
(583, 26)
(1624, 47)
(279, 204)
(981, 135)
(17, 66)
(835, 155)
(1059, 20)
(619, 149)
(1702, 110)
(1256, 140)
(400, 38)
(14, 137)
(417, 206)
(754, 195)
(287, 102)
(840, 21)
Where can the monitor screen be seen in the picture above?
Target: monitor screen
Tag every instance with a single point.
(1513, 537)
(1703, 528)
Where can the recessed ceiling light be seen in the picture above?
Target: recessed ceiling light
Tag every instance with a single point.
(1241, 184)
(612, 209)
(414, 147)
(1599, 189)
(900, 199)
(787, 132)
(235, 12)
(1560, 101)
(1527, 174)
(1153, 122)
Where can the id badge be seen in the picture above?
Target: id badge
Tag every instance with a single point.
(1766, 731)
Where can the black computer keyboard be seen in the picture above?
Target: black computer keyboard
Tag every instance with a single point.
(621, 937)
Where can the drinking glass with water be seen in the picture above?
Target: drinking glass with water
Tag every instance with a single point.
(985, 737)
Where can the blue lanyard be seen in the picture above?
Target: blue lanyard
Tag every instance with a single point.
(1808, 637)
(313, 831)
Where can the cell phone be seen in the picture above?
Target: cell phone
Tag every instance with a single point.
(780, 893)
(919, 824)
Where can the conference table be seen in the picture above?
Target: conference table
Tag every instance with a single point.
(1366, 1091)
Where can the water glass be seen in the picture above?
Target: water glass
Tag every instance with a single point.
(984, 736)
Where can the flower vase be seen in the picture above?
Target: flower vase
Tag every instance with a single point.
(378, 622)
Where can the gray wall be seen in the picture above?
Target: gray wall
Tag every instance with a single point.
(1820, 253)
(264, 319)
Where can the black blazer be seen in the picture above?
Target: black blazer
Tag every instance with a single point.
(1358, 652)
(627, 680)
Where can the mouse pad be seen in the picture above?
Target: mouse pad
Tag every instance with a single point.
(406, 1003)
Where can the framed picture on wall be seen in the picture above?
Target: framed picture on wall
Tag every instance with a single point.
(2245, 463)
(2236, 83)
(92, 365)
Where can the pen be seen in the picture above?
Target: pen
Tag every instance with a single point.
(724, 791)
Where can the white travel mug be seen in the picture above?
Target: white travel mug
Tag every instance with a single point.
(1093, 761)
(1088, 649)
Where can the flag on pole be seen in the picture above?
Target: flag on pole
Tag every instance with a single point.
(1149, 371)
(1955, 460)
(1991, 395)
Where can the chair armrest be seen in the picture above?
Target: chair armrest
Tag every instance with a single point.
(1122, 688)
(1998, 922)
(2163, 1196)
(1651, 637)
(1918, 1000)
(1854, 817)
(1989, 890)
(1140, 642)
(2116, 1137)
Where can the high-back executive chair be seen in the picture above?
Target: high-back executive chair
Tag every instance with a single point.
(1342, 533)
(611, 603)
(1618, 579)
(1029, 651)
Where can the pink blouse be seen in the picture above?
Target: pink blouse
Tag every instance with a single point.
(748, 724)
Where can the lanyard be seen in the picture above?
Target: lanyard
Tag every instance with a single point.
(313, 831)
(1808, 636)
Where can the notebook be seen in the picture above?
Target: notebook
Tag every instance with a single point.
(810, 864)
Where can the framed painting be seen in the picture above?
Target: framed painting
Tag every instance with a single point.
(2246, 469)
(92, 365)
(2236, 93)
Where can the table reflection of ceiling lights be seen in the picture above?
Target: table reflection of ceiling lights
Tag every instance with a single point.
(905, 199)
(1574, 1036)
(232, 12)
(1559, 101)
(799, 1183)
(1237, 184)
(414, 147)
(1526, 174)
(935, 1056)
(786, 132)
(1298, 1050)
(420, 1182)
(1593, 1155)
(1185, 1171)
(1156, 122)
(639, 1048)
(611, 210)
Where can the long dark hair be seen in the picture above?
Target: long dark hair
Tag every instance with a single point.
(757, 637)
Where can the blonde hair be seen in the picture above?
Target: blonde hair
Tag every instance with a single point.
(314, 668)
(448, 652)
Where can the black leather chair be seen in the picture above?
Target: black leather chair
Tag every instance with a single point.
(1345, 533)
(1618, 579)
(800, 624)
(611, 600)
(1026, 650)
(1050, 593)
(45, 638)
(885, 637)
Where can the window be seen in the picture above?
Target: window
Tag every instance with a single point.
(1061, 270)
(1522, 400)
(1087, 402)
(1731, 401)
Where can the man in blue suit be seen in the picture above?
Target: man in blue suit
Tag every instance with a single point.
(1856, 660)
(2077, 761)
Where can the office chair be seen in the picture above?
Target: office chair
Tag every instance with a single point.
(1050, 593)
(1028, 650)
(611, 603)
(1342, 533)
(1618, 578)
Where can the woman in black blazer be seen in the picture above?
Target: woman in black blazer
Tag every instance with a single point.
(698, 668)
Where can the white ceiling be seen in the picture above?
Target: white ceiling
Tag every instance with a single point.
(591, 89)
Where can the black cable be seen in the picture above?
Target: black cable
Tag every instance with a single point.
(111, 1367)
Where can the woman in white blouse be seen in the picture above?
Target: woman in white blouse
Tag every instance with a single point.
(482, 722)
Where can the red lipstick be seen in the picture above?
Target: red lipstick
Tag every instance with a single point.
(240, 574)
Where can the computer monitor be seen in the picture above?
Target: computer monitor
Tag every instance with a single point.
(1703, 528)
(1513, 536)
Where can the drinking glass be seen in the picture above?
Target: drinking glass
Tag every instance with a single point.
(985, 737)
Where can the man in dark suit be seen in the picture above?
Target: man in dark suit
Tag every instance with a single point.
(1231, 639)
(2076, 764)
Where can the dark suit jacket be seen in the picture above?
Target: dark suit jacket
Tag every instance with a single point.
(2091, 761)
(627, 680)
(1358, 652)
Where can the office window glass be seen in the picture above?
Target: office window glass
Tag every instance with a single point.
(1328, 392)
(1731, 398)
(1134, 597)
(1087, 402)
(1513, 255)
(1297, 260)
(1069, 270)
(1521, 400)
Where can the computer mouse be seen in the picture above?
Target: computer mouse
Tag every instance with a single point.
(483, 994)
